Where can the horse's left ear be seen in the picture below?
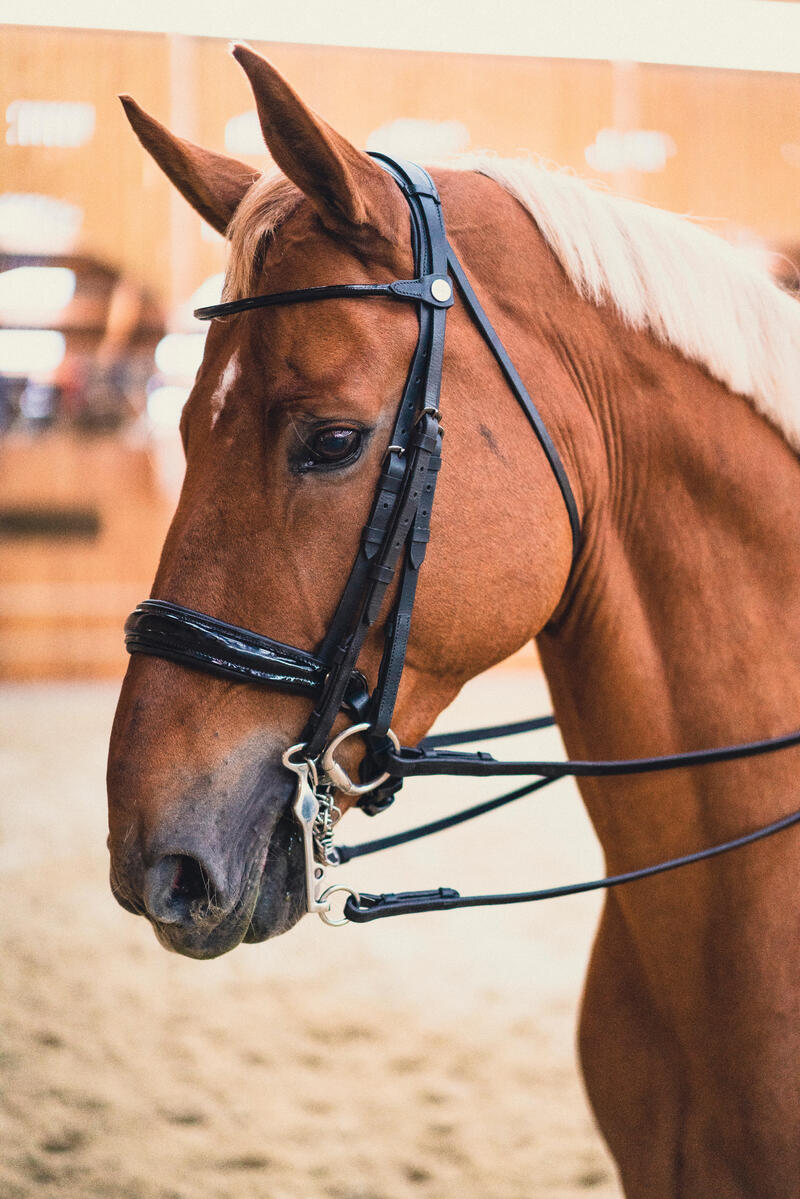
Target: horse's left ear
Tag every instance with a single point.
(212, 183)
(351, 194)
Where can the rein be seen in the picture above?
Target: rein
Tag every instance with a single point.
(392, 546)
(362, 908)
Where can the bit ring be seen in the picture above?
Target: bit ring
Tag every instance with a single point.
(325, 916)
(339, 776)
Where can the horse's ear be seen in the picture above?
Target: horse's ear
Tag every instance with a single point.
(350, 192)
(212, 183)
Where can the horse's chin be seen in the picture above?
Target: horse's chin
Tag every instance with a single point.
(272, 901)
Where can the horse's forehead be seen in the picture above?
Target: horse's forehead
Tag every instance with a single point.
(341, 357)
(333, 344)
(328, 348)
(302, 252)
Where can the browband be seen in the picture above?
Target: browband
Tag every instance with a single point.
(421, 290)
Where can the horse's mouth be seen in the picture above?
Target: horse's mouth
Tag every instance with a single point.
(271, 901)
(281, 894)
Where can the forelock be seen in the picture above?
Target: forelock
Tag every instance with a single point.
(264, 208)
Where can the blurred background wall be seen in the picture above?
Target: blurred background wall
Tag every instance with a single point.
(101, 263)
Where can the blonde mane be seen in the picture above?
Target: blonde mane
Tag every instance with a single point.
(692, 290)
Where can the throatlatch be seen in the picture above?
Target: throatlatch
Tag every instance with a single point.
(392, 547)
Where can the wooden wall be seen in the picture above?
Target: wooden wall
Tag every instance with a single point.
(64, 597)
(62, 602)
(728, 127)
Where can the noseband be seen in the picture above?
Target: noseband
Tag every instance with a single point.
(392, 547)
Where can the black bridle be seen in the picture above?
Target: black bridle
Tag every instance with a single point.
(392, 546)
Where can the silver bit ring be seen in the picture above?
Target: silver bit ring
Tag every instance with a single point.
(339, 776)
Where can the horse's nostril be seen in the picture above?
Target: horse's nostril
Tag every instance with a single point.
(178, 888)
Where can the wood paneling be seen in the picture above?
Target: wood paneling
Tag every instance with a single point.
(124, 200)
(728, 127)
(61, 605)
(63, 600)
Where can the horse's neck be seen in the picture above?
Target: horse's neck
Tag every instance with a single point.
(683, 630)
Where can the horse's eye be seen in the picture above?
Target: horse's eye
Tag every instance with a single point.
(334, 445)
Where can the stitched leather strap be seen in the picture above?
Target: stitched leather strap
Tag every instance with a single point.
(406, 903)
(413, 763)
(399, 625)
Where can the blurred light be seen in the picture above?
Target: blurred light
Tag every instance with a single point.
(49, 123)
(209, 292)
(615, 150)
(243, 134)
(410, 137)
(36, 224)
(27, 352)
(179, 354)
(36, 291)
(164, 406)
(38, 401)
(790, 152)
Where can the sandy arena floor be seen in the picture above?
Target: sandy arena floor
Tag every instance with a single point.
(430, 1056)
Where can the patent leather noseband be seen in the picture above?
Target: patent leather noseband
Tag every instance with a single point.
(392, 548)
(194, 639)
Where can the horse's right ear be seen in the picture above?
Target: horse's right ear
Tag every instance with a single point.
(212, 183)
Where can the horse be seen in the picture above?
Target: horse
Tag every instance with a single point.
(665, 367)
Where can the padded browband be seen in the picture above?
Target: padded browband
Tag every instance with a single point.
(194, 639)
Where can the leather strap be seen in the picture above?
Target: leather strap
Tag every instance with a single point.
(413, 763)
(520, 394)
(205, 643)
(489, 733)
(416, 438)
(345, 852)
(405, 903)
(419, 290)
(399, 624)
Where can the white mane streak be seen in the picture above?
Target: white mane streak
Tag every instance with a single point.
(692, 290)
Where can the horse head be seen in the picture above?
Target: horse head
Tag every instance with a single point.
(284, 432)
